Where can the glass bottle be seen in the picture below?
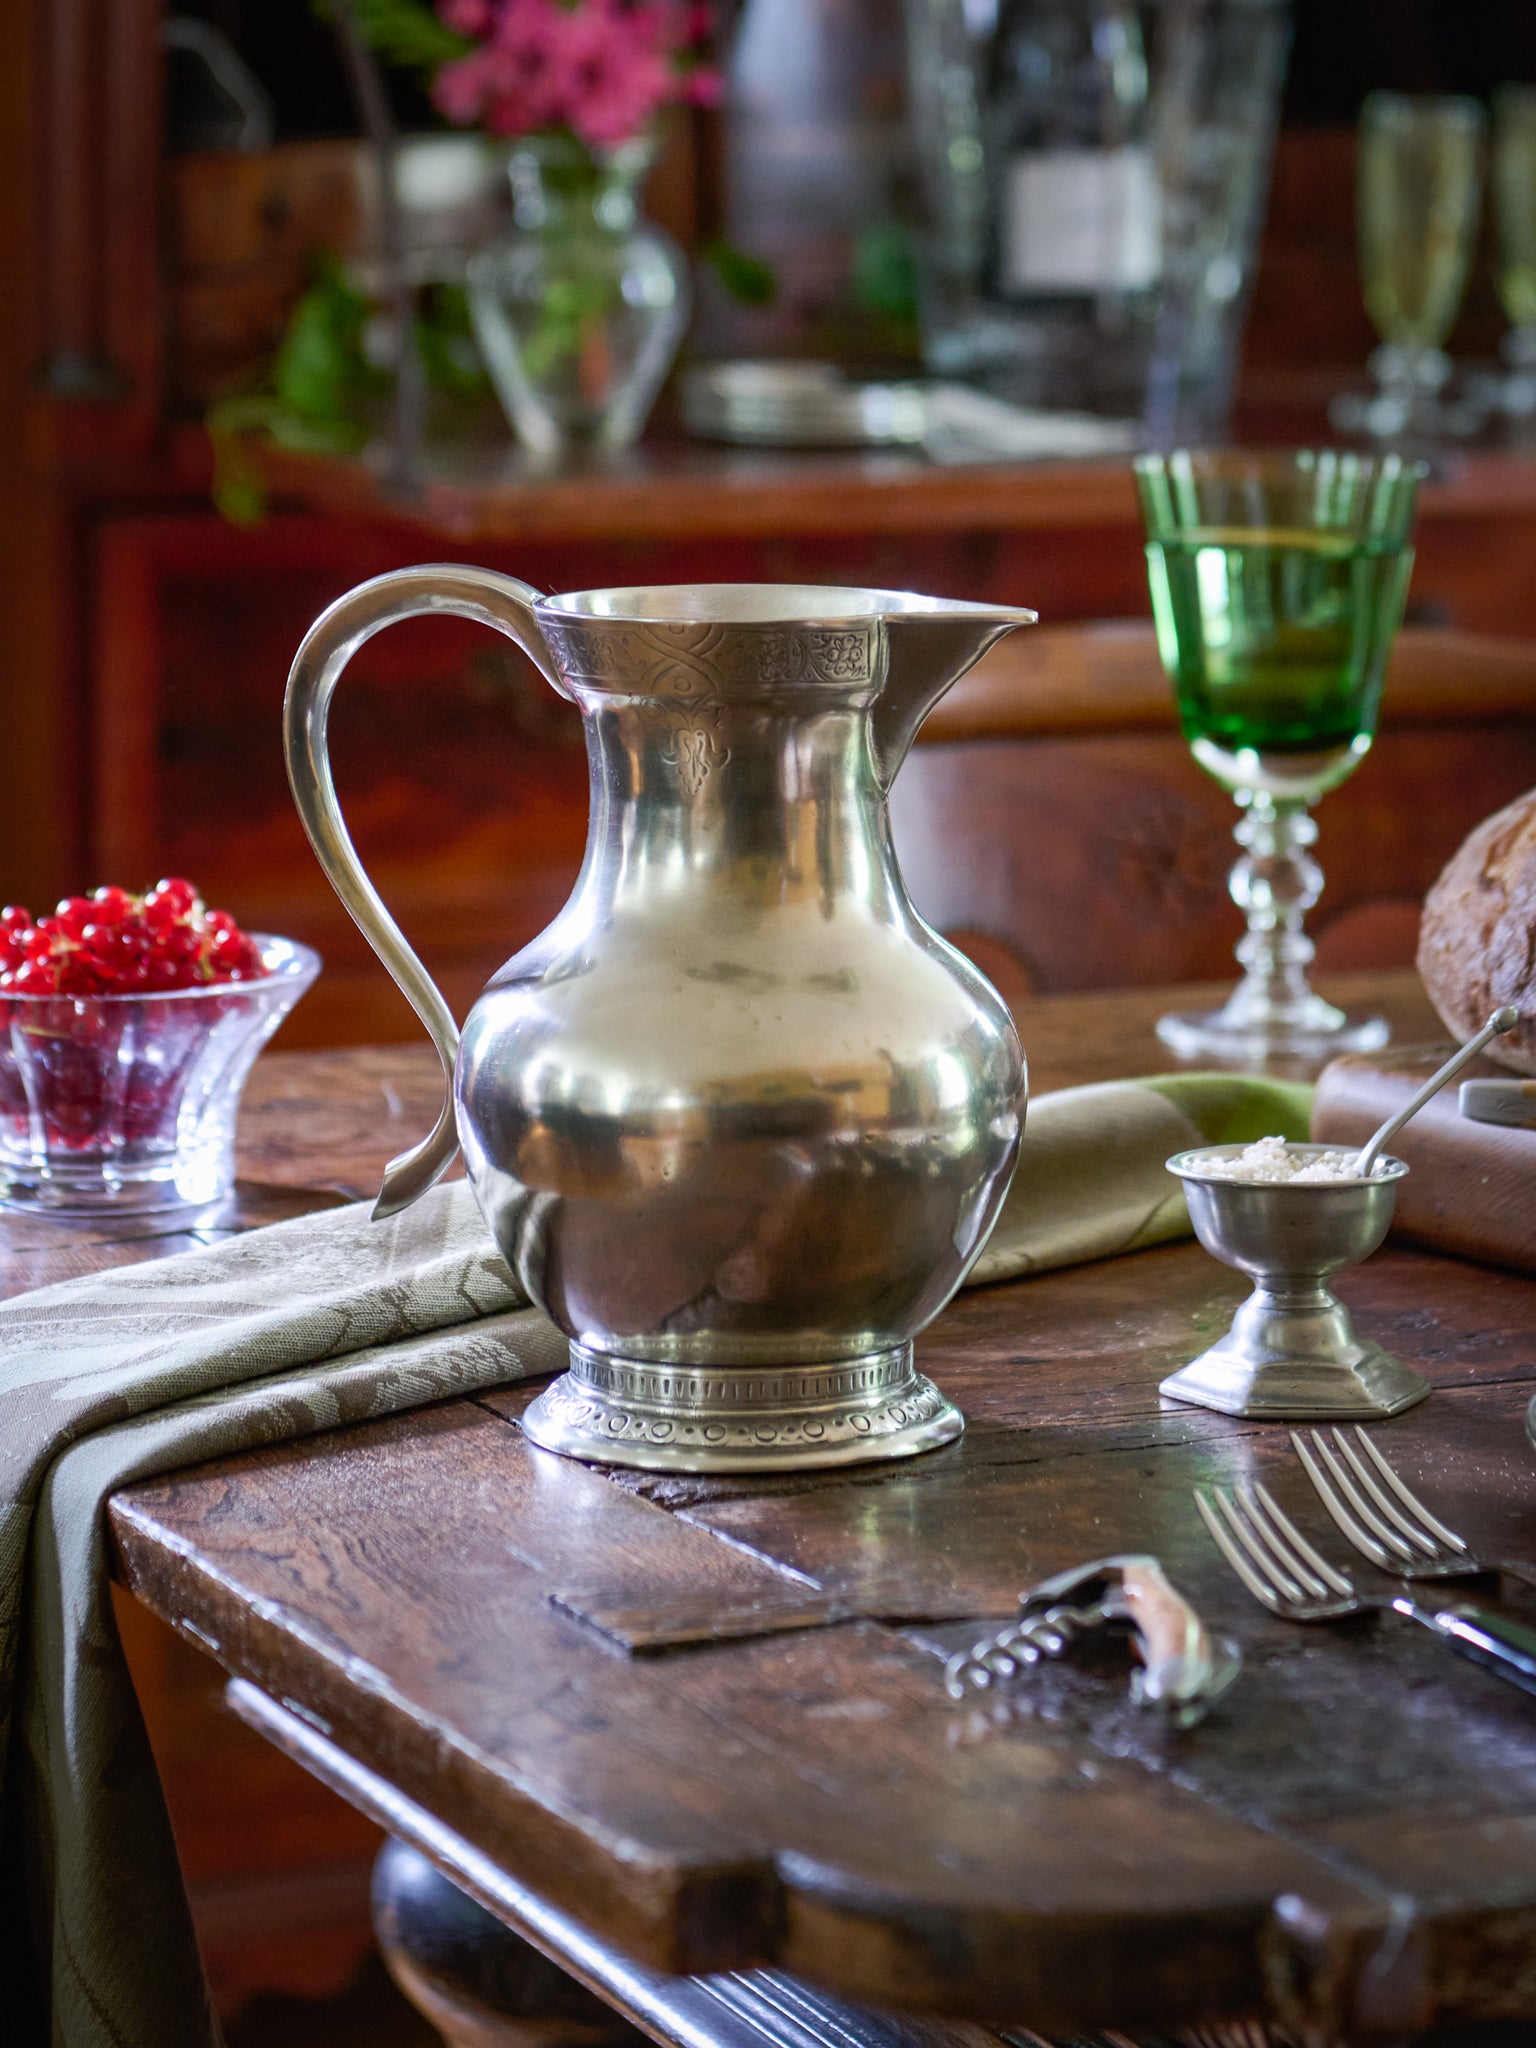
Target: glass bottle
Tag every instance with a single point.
(1075, 199)
(1074, 235)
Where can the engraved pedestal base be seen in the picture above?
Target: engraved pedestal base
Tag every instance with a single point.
(693, 1418)
(1297, 1359)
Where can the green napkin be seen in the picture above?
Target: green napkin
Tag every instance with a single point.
(300, 1327)
(1091, 1179)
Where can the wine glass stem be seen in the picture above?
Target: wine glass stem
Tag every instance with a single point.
(1275, 883)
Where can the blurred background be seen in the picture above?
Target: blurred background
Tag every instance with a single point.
(207, 435)
(850, 292)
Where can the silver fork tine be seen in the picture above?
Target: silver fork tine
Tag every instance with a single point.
(1259, 1587)
(1385, 1545)
(1409, 1499)
(1333, 1500)
(1290, 1535)
(1393, 1514)
(1362, 1507)
(1267, 1550)
(1276, 1549)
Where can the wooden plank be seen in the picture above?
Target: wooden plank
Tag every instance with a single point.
(715, 1807)
(756, 2009)
(673, 490)
(671, 487)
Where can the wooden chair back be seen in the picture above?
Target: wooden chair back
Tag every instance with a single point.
(1052, 821)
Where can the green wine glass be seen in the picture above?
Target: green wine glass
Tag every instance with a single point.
(1277, 583)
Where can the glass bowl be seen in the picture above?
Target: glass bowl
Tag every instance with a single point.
(117, 1105)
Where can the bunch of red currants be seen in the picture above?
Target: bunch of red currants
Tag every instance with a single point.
(114, 944)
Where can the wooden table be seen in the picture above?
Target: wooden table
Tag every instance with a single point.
(434, 1617)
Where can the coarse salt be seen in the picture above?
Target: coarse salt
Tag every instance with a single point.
(1271, 1159)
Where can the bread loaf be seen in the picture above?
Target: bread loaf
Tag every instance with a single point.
(1477, 940)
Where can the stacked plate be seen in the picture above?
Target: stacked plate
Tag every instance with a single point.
(816, 405)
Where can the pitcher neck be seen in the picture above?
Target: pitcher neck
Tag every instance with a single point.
(787, 805)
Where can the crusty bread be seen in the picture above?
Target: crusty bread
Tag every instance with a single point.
(1477, 939)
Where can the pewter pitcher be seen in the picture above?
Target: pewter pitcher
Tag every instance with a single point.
(739, 1121)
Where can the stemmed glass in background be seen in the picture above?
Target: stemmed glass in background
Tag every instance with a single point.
(1418, 193)
(1514, 189)
(1277, 584)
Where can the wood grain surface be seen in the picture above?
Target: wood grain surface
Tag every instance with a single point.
(1349, 1843)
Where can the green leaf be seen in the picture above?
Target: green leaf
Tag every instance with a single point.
(318, 378)
(746, 278)
(239, 489)
(320, 368)
(884, 271)
(446, 343)
(404, 32)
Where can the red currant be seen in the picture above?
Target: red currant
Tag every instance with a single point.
(171, 899)
(114, 943)
(15, 925)
(77, 976)
(73, 915)
(35, 978)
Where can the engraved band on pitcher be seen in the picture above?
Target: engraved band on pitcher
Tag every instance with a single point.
(701, 1420)
(693, 658)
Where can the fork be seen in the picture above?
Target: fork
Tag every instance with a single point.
(1384, 1520)
(1281, 1569)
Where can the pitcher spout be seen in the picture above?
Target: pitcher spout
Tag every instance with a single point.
(931, 643)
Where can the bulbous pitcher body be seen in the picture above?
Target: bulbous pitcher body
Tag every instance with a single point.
(738, 1120)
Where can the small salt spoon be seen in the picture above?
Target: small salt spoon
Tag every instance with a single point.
(1501, 1021)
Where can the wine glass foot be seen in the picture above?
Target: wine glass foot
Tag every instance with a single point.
(1319, 1034)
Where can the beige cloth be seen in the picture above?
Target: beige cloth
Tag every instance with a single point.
(300, 1327)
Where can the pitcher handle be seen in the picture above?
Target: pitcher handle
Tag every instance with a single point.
(468, 593)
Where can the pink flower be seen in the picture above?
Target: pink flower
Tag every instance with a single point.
(466, 17)
(602, 69)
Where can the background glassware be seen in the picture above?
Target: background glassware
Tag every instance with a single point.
(580, 311)
(126, 1104)
(1418, 194)
(814, 190)
(1093, 176)
(1277, 584)
(1514, 191)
